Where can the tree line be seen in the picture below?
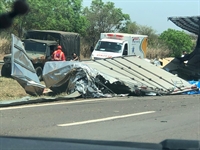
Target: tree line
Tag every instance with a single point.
(89, 22)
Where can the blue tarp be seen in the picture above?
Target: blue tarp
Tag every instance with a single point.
(197, 83)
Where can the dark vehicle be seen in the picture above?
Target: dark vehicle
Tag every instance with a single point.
(40, 44)
(69, 41)
(191, 69)
(38, 51)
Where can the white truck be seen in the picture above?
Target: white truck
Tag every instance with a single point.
(120, 44)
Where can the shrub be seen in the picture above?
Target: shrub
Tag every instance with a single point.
(157, 53)
(5, 45)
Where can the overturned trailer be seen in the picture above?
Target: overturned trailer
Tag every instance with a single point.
(98, 78)
(190, 70)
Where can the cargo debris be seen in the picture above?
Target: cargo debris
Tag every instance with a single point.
(128, 75)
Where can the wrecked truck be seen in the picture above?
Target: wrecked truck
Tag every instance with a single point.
(39, 46)
(107, 77)
(191, 69)
(38, 51)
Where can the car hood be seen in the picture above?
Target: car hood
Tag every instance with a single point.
(35, 55)
(30, 55)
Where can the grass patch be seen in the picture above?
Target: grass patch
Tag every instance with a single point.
(157, 53)
(1, 57)
(10, 89)
(5, 46)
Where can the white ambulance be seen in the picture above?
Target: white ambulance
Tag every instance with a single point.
(120, 44)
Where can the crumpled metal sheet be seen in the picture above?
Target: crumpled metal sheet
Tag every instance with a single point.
(147, 77)
(70, 76)
(189, 23)
(22, 69)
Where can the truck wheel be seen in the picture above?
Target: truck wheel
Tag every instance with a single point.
(39, 72)
(5, 71)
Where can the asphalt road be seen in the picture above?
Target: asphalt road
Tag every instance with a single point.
(136, 119)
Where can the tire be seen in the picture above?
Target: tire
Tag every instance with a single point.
(6, 70)
(39, 72)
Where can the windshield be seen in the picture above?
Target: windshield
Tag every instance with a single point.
(34, 46)
(109, 47)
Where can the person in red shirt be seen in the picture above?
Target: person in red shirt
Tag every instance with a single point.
(58, 54)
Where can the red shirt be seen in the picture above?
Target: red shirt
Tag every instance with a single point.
(58, 55)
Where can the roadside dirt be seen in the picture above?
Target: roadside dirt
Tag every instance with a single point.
(10, 89)
(1, 57)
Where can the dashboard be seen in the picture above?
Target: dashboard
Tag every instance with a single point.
(27, 143)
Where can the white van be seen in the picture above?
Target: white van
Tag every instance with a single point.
(120, 44)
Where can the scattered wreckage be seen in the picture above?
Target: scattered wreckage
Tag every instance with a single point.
(95, 78)
(39, 46)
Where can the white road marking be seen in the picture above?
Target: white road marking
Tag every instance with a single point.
(53, 103)
(104, 119)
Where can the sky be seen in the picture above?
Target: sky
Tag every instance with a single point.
(155, 13)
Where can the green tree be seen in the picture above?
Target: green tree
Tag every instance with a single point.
(151, 33)
(131, 27)
(63, 15)
(103, 17)
(2, 8)
(177, 41)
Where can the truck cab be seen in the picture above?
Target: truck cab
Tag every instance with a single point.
(38, 51)
(108, 48)
(119, 44)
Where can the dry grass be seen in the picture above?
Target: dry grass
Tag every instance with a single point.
(157, 53)
(1, 57)
(10, 89)
(4, 46)
(85, 52)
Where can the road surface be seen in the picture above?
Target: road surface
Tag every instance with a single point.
(135, 119)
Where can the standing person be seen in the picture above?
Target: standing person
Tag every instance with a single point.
(58, 54)
(74, 57)
(184, 53)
